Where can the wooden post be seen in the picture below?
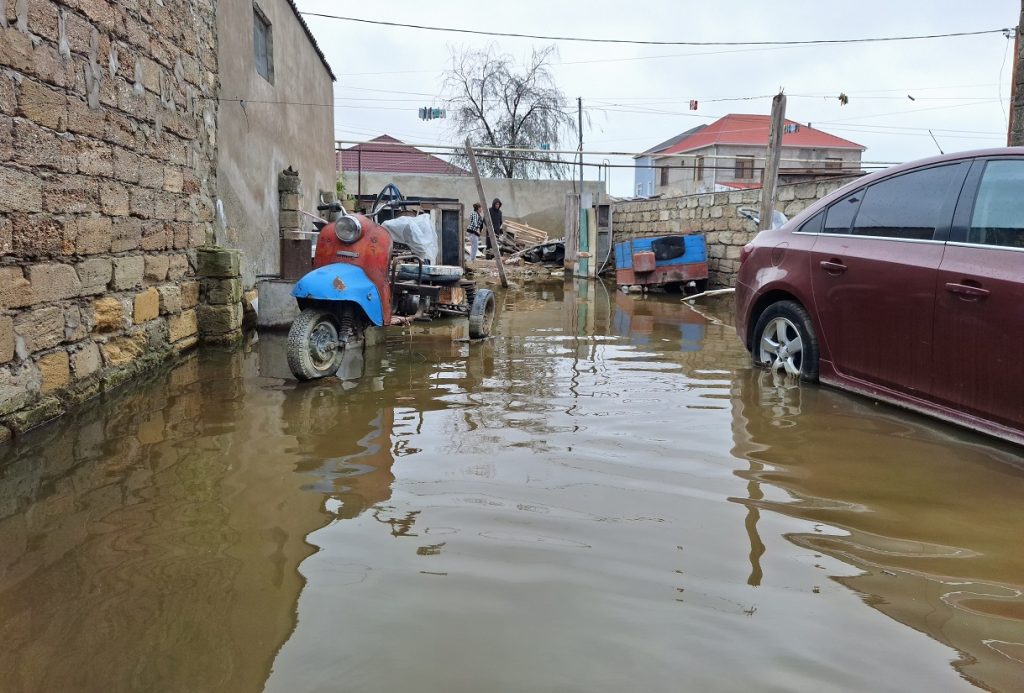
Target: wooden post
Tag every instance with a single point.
(771, 161)
(486, 214)
(1015, 133)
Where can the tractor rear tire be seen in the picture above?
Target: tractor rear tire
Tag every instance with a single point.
(481, 314)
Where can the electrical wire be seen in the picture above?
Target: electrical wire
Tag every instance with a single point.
(635, 42)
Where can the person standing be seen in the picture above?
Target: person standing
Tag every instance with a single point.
(496, 220)
(476, 223)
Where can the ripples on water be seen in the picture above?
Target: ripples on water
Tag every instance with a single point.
(602, 497)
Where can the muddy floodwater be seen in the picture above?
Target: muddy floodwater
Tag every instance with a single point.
(603, 497)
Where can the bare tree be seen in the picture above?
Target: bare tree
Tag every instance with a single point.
(496, 103)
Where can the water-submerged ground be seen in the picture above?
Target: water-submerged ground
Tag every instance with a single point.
(603, 497)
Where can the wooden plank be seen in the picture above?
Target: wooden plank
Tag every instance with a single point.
(486, 215)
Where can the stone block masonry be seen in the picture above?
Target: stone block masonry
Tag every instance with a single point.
(108, 125)
(717, 216)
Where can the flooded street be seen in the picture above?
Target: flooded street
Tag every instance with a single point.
(603, 497)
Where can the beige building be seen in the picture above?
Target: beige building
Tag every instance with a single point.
(276, 112)
(729, 154)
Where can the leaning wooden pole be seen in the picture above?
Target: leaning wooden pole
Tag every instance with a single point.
(771, 163)
(486, 214)
(1015, 132)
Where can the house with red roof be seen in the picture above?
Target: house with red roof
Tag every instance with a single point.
(729, 154)
(385, 154)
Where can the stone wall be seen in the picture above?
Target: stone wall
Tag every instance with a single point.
(716, 215)
(107, 150)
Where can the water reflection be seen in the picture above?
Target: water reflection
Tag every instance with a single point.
(542, 511)
(925, 511)
(142, 547)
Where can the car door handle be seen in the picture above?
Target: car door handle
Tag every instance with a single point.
(966, 291)
(833, 266)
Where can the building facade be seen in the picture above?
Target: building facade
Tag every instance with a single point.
(729, 154)
(277, 112)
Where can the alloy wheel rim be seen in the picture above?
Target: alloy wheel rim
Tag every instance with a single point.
(781, 347)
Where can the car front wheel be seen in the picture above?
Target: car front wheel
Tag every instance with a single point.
(785, 341)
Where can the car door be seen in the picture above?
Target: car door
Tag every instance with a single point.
(873, 272)
(979, 309)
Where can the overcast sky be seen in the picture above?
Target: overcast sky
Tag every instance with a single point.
(955, 82)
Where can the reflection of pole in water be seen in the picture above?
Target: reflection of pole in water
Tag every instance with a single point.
(754, 493)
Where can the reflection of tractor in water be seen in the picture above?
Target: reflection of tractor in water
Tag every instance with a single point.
(368, 273)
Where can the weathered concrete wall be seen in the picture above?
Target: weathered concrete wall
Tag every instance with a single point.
(289, 122)
(107, 144)
(539, 203)
(714, 214)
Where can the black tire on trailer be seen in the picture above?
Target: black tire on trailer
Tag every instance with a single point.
(316, 345)
(481, 314)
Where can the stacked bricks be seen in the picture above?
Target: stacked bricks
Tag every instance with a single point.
(716, 215)
(220, 315)
(107, 151)
(296, 247)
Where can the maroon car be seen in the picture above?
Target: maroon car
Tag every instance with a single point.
(906, 285)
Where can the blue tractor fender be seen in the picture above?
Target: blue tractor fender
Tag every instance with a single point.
(340, 282)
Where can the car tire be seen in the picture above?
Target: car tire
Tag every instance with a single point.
(781, 327)
(481, 314)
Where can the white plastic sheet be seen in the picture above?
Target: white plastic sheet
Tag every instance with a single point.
(417, 233)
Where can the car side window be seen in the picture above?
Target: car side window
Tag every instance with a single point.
(841, 214)
(812, 225)
(998, 216)
(910, 206)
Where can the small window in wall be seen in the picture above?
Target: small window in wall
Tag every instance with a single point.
(698, 168)
(664, 175)
(833, 163)
(263, 43)
(744, 167)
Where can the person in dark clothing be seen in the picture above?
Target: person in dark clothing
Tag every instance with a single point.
(496, 221)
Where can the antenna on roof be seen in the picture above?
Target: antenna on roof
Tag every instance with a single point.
(936, 142)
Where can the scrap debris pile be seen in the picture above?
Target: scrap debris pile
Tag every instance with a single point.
(524, 243)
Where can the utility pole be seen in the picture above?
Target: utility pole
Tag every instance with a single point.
(579, 114)
(771, 161)
(486, 215)
(1015, 135)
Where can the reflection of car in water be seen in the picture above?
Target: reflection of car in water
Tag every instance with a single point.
(932, 558)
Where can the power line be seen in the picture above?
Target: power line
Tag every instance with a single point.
(504, 34)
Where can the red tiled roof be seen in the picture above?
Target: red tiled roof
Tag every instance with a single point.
(397, 157)
(753, 130)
